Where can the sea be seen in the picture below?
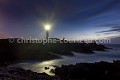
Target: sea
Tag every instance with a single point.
(39, 66)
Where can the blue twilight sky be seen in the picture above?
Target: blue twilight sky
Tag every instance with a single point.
(73, 19)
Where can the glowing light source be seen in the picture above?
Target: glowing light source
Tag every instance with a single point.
(47, 27)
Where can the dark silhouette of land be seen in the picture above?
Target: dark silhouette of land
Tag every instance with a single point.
(13, 52)
(15, 73)
(79, 71)
(89, 71)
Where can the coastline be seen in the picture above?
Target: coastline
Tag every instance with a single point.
(79, 71)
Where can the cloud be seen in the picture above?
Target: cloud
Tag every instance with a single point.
(114, 28)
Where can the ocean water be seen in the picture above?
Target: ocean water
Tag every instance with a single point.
(116, 46)
(109, 56)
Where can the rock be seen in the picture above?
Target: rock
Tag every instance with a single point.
(46, 68)
(89, 71)
(15, 73)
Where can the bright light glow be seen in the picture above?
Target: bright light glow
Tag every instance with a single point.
(47, 27)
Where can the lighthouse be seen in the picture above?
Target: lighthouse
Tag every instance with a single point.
(47, 28)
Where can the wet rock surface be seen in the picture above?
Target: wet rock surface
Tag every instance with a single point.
(89, 71)
(14, 73)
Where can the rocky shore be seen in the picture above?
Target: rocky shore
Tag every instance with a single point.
(11, 52)
(14, 52)
(79, 71)
(15, 73)
(89, 71)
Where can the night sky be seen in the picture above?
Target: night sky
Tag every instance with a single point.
(73, 19)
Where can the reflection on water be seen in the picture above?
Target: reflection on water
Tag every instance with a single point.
(90, 58)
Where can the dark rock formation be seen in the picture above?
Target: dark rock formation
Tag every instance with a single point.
(89, 71)
(80, 71)
(10, 52)
(46, 68)
(14, 73)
